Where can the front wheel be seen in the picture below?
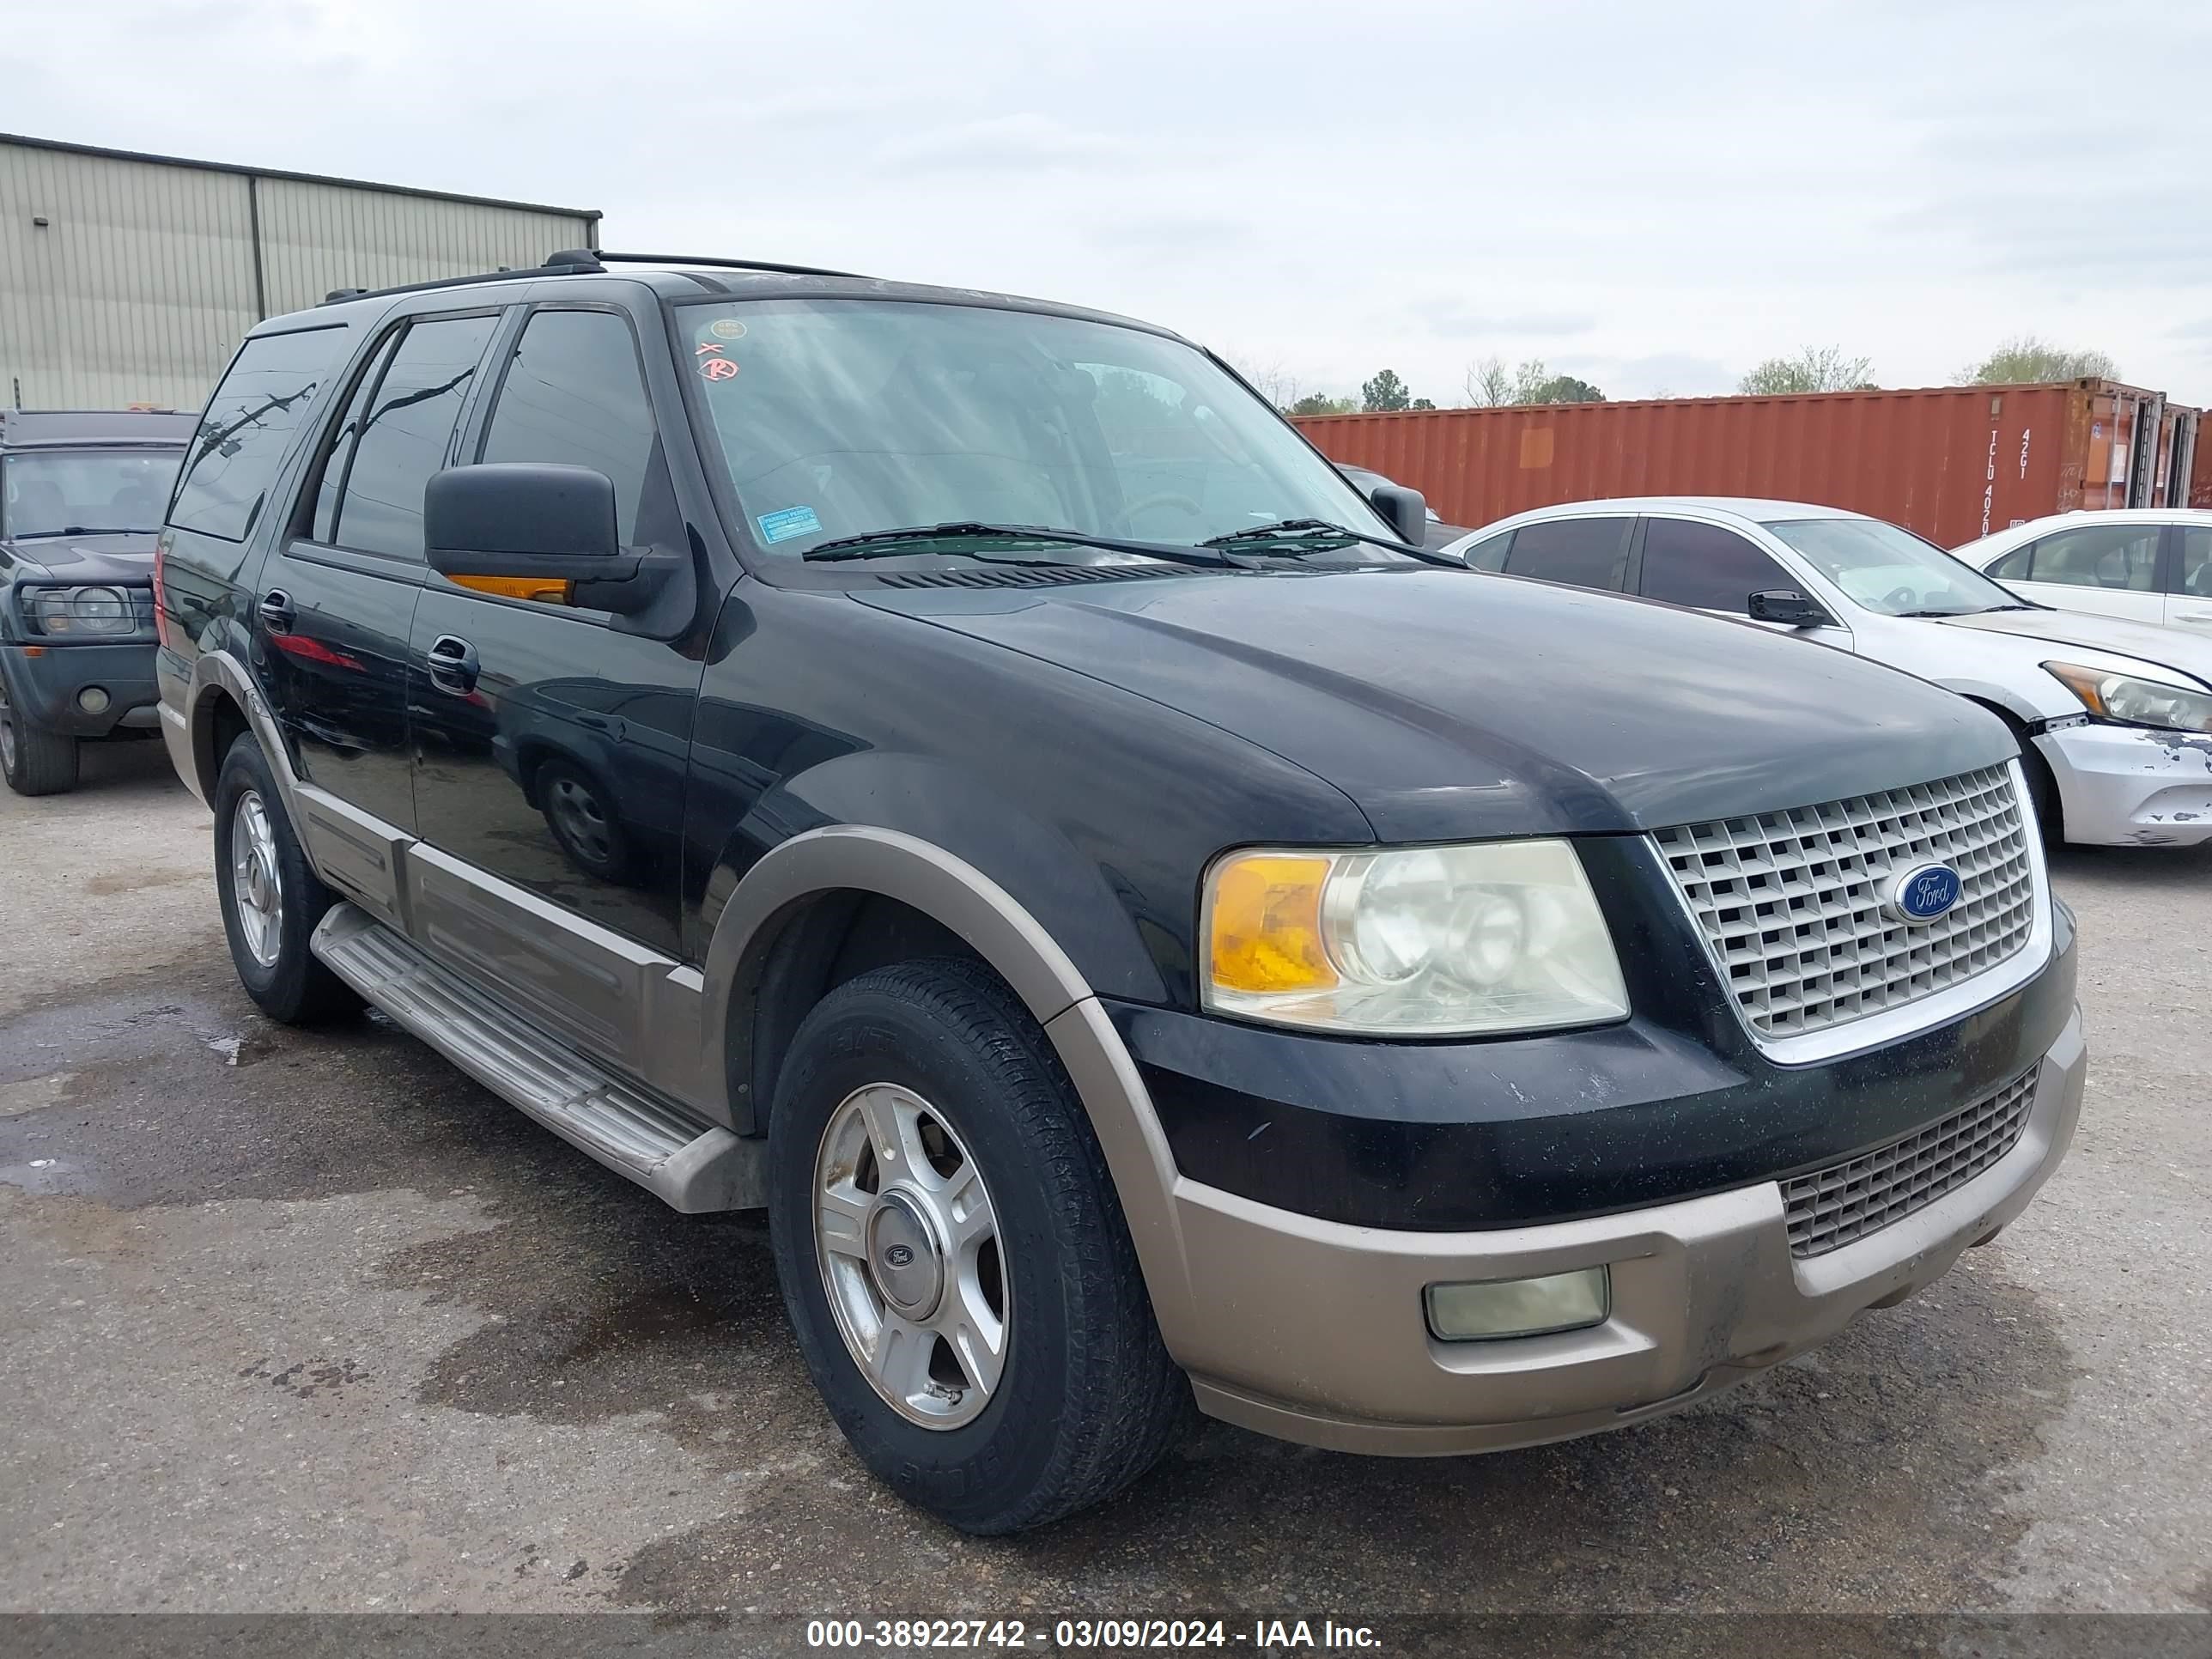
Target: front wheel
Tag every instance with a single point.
(34, 760)
(271, 896)
(953, 1256)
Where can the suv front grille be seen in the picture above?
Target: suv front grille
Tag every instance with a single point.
(1834, 1206)
(1791, 902)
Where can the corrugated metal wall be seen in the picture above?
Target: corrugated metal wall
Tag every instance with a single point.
(1951, 462)
(135, 289)
(143, 279)
(318, 237)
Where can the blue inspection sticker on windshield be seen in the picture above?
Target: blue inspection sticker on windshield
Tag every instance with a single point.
(792, 521)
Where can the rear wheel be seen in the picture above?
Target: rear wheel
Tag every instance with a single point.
(953, 1256)
(270, 897)
(34, 760)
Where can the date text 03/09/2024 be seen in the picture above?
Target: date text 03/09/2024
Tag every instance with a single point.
(1261, 1635)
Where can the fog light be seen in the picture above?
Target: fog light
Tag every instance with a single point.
(1520, 1307)
(93, 699)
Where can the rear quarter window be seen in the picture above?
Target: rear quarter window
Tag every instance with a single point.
(249, 427)
(1579, 552)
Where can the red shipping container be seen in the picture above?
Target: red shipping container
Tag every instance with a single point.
(1953, 463)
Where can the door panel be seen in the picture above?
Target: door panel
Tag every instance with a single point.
(2127, 605)
(330, 636)
(2190, 604)
(549, 745)
(558, 764)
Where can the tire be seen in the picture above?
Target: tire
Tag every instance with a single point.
(284, 978)
(583, 822)
(1085, 1398)
(34, 760)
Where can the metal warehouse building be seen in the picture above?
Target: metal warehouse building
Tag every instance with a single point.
(129, 279)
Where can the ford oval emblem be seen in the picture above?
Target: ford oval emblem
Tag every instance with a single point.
(1923, 893)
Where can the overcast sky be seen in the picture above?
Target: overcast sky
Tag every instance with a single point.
(1650, 196)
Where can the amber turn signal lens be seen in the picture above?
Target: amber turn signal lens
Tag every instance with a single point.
(1266, 924)
(540, 589)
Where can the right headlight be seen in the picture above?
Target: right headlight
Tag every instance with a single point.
(2133, 701)
(1422, 941)
(81, 611)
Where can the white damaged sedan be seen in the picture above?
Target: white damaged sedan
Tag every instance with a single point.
(2114, 718)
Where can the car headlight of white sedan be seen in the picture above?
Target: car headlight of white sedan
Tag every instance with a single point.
(2131, 701)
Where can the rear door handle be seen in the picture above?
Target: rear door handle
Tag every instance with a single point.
(454, 665)
(276, 610)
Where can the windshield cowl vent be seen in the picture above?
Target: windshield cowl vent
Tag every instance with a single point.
(1043, 575)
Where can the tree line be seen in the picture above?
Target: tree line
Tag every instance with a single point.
(1488, 384)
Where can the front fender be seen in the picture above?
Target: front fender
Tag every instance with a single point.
(1071, 892)
(1005, 934)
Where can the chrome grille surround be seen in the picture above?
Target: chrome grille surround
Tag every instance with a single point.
(1845, 1202)
(1789, 904)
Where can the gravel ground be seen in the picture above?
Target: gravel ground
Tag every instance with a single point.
(307, 1322)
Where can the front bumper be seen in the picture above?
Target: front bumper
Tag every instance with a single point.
(1313, 1331)
(2125, 786)
(45, 681)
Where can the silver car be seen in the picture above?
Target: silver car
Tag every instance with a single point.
(2113, 717)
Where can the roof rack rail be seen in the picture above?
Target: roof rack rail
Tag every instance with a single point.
(579, 262)
(593, 258)
(338, 296)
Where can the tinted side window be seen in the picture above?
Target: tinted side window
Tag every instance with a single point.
(2195, 574)
(243, 437)
(1704, 565)
(1583, 552)
(341, 450)
(1490, 554)
(574, 394)
(2121, 555)
(405, 435)
(2013, 566)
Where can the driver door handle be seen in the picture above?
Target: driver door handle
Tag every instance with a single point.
(276, 610)
(454, 665)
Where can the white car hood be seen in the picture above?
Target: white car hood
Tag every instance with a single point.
(2156, 644)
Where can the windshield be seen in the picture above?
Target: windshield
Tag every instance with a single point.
(52, 491)
(1892, 571)
(839, 418)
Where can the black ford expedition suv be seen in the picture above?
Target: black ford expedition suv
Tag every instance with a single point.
(81, 496)
(961, 773)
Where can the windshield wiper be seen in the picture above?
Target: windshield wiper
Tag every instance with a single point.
(1292, 530)
(889, 543)
(84, 530)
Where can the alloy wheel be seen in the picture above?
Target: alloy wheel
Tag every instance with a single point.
(911, 1256)
(257, 883)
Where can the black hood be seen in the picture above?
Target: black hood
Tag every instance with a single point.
(1463, 705)
(126, 558)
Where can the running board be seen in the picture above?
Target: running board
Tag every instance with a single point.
(691, 1166)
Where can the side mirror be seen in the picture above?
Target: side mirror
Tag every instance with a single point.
(532, 530)
(1406, 513)
(518, 519)
(1789, 607)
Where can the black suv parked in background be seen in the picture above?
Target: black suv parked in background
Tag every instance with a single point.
(961, 773)
(81, 499)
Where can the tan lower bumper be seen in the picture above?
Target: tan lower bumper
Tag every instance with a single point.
(1313, 1331)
